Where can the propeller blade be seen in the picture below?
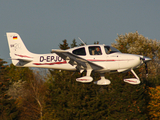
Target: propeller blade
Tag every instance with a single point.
(145, 60)
(146, 67)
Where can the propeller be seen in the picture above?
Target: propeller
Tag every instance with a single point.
(146, 67)
(145, 60)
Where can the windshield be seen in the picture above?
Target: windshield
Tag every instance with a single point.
(110, 49)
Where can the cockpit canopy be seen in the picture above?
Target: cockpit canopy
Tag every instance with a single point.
(94, 50)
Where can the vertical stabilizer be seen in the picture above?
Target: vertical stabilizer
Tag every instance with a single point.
(18, 51)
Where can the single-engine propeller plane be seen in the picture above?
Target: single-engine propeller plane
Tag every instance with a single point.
(97, 58)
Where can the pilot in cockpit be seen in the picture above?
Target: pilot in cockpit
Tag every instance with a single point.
(98, 51)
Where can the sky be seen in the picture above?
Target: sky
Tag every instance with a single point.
(43, 24)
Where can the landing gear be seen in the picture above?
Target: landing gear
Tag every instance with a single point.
(102, 81)
(87, 78)
(133, 81)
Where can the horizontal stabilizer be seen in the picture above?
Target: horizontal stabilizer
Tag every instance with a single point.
(23, 59)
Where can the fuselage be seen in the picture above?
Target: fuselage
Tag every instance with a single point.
(108, 57)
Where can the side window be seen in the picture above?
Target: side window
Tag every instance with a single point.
(80, 51)
(95, 50)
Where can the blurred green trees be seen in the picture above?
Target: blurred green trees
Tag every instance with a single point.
(8, 108)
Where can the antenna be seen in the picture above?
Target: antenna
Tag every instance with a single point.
(81, 41)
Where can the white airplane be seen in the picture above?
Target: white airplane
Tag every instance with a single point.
(97, 58)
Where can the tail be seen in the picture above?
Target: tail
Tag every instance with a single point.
(18, 51)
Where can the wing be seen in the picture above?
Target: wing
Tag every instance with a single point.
(76, 61)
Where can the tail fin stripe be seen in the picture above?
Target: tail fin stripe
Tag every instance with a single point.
(23, 56)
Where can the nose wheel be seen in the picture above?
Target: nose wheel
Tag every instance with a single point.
(102, 81)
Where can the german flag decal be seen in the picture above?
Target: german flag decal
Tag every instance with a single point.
(14, 37)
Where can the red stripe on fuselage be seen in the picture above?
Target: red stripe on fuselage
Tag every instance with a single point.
(93, 60)
(64, 62)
